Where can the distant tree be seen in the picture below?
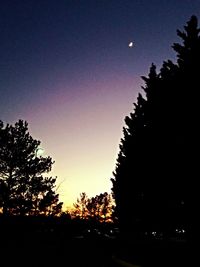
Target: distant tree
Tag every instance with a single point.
(98, 208)
(155, 177)
(80, 207)
(23, 188)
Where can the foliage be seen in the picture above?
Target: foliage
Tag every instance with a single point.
(81, 206)
(23, 188)
(156, 151)
(98, 208)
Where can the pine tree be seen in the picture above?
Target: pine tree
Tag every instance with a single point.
(132, 175)
(188, 61)
(158, 147)
(23, 188)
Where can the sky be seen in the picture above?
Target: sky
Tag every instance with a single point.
(67, 69)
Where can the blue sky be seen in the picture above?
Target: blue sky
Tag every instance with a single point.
(66, 68)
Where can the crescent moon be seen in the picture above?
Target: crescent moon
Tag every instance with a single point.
(130, 44)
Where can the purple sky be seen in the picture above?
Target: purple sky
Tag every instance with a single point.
(66, 68)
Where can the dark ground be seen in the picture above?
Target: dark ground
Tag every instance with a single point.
(50, 249)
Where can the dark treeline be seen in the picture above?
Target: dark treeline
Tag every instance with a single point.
(156, 172)
(98, 208)
(42, 226)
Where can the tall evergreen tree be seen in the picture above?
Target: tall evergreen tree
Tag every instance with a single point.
(23, 188)
(155, 175)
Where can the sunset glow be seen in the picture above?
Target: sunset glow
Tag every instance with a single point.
(67, 70)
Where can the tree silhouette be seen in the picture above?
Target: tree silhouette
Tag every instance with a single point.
(23, 188)
(98, 208)
(157, 150)
(81, 206)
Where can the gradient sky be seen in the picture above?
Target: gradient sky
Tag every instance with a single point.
(66, 68)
